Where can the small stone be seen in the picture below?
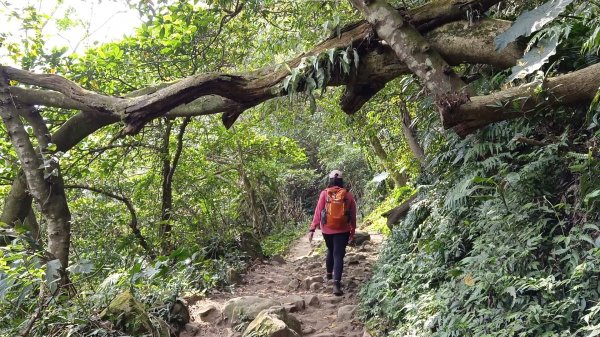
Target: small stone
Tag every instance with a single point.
(325, 334)
(209, 313)
(352, 259)
(191, 328)
(306, 283)
(312, 300)
(318, 279)
(361, 237)
(296, 301)
(346, 313)
(331, 299)
(366, 334)
(294, 284)
(315, 286)
(315, 265)
(308, 330)
(350, 285)
(290, 308)
(277, 259)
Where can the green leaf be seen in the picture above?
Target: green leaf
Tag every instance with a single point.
(81, 267)
(592, 195)
(320, 78)
(53, 274)
(331, 53)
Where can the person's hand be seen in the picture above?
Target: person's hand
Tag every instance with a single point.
(310, 236)
(351, 239)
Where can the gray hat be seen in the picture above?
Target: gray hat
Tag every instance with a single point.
(335, 174)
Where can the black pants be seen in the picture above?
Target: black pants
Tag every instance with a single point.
(336, 249)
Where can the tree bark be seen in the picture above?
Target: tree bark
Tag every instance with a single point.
(576, 88)
(411, 134)
(397, 213)
(417, 53)
(18, 202)
(49, 194)
(413, 50)
(168, 171)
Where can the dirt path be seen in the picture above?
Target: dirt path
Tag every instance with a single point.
(296, 283)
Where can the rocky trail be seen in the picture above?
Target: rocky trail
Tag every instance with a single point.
(289, 297)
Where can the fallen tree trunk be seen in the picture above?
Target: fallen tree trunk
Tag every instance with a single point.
(397, 213)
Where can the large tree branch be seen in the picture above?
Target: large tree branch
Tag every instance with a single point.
(411, 48)
(576, 88)
(457, 42)
(245, 89)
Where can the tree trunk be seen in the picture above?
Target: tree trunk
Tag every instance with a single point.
(168, 171)
(166, 201)
(249, 191)
(397, 213)
(18, 202)
(413, 49)
(399, 179)
(411, 134)
(244, 90)
(49, 194)
(576, 88)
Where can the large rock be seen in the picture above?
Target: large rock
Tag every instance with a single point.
(297, 302)
(246, 308)
(346, 313)
(312, 300)
(310, 280)
(274, 322)
(130, 316)
(209, 313)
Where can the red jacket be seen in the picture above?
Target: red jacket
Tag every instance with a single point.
(317, 217)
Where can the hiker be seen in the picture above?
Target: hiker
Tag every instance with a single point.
(336, 215)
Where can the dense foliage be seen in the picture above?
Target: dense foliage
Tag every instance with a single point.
(259, 179)
(503, 238)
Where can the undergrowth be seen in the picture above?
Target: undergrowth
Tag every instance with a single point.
(375, 221)
(504, 242)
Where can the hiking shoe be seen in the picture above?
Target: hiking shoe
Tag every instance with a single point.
(337, 288)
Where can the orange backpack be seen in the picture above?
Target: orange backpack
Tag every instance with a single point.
(336, 214)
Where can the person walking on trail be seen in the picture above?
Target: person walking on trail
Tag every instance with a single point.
(336, 215)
